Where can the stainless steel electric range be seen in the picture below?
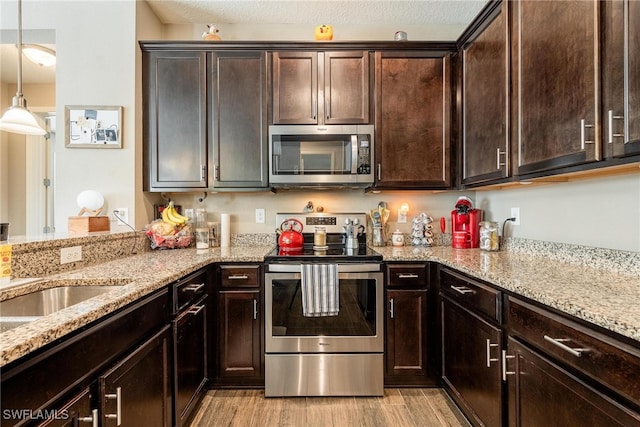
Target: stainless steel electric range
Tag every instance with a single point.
(325, 355)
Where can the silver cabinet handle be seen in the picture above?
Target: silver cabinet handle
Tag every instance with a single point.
(583, 132)
(462, 290)
(505, 357)
(407, 276)
(195, 309)
(216, 172)
(194, 287)
(489, 359)
(391, 307)
(255, 309)
(314, 109)
(379, 171)
(118, 397)
(238, 277)
(610, 130)
(498, 154)
(203, 172)
(559, 342)
(93, 419)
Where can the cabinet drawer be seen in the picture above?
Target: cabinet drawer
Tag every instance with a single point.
(407, 275)
(239, 276)
(189, 289)
(602, 358)
(480, 298)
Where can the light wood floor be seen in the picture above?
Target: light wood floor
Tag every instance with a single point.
(414, 407)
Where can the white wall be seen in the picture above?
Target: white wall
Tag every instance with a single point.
(96, 51)
(602, 212)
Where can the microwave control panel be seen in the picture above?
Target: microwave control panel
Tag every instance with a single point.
(364, 155)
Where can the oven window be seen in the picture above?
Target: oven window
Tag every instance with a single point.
(312, 155)
(355, 318)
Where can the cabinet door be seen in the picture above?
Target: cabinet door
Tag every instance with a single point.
(346, 87)
(239, 332)
(295, 88)
(77, 411)
(239, 119)
(556, 80)
(621, 78)
(175, 118)
(540, 392)
(412, 120)
(471, 364)
(486, 64)
(190, 349)
(136, 391)
(406, 353)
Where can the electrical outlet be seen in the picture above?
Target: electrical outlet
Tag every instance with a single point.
(71, 254)
(123, 213)
(260, 216)
(515, 213)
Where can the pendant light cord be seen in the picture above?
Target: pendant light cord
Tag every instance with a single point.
(19, 91)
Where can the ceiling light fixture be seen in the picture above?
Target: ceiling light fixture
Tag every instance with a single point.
(18, 119)
(40, 55)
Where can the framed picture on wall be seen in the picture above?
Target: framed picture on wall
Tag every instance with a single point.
(93, 126)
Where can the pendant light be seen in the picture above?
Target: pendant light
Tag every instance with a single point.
(18, 118)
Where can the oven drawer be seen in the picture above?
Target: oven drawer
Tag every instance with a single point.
(600, 357)
(239, 276)
(407, 275)
(476, 296)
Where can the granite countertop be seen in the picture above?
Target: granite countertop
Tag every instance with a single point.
(603, 297)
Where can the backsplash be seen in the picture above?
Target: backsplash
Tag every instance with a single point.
(42, 258)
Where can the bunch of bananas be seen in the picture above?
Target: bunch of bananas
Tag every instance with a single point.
(171, 216)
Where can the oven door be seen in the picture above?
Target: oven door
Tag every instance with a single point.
(357, 328)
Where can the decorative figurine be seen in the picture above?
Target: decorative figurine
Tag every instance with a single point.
(324, 32)
(211, 34)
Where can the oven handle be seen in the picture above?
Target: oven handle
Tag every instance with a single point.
(342, 268)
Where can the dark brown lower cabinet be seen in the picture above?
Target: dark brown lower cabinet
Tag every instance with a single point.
(541, 393)
(190, 364)
(471, 364)
(136, 391)
(239, 337)
(406, 349)
(75, 412)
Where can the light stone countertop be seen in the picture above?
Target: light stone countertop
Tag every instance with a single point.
(605, 298)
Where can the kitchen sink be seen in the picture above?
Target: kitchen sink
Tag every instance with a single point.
(47, 301)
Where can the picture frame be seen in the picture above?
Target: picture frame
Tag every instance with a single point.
(89, 126)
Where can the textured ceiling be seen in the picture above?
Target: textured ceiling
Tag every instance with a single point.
(335, 12)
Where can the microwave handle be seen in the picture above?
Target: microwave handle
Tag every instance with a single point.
(354, 154)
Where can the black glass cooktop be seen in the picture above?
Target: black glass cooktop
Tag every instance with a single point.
(334, 252)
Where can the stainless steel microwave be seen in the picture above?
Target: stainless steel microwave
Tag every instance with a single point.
(321, 156)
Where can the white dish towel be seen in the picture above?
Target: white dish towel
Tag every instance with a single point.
(320, 290)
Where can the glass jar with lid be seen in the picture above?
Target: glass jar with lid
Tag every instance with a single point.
(489, 240)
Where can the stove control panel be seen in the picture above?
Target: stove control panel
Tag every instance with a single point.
(334, 222)
(321, 220)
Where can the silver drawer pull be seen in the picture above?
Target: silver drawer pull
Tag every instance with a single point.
(499, 164)
(255, 309)
(407, 276)
(583, 131)
(489, 359)
(462, 290)
(93, 419)
(194, 288)
(238, 277)
(392, 308)
(611, 133)
(196, 309)
(559, 342)
(118, 397)
(506, 357)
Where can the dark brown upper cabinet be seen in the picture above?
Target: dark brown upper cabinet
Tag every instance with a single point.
(413, 116)
(485, 87)
(175, 120)
(556, 84)
(321, 87)
(238, 125)
(621, 78)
